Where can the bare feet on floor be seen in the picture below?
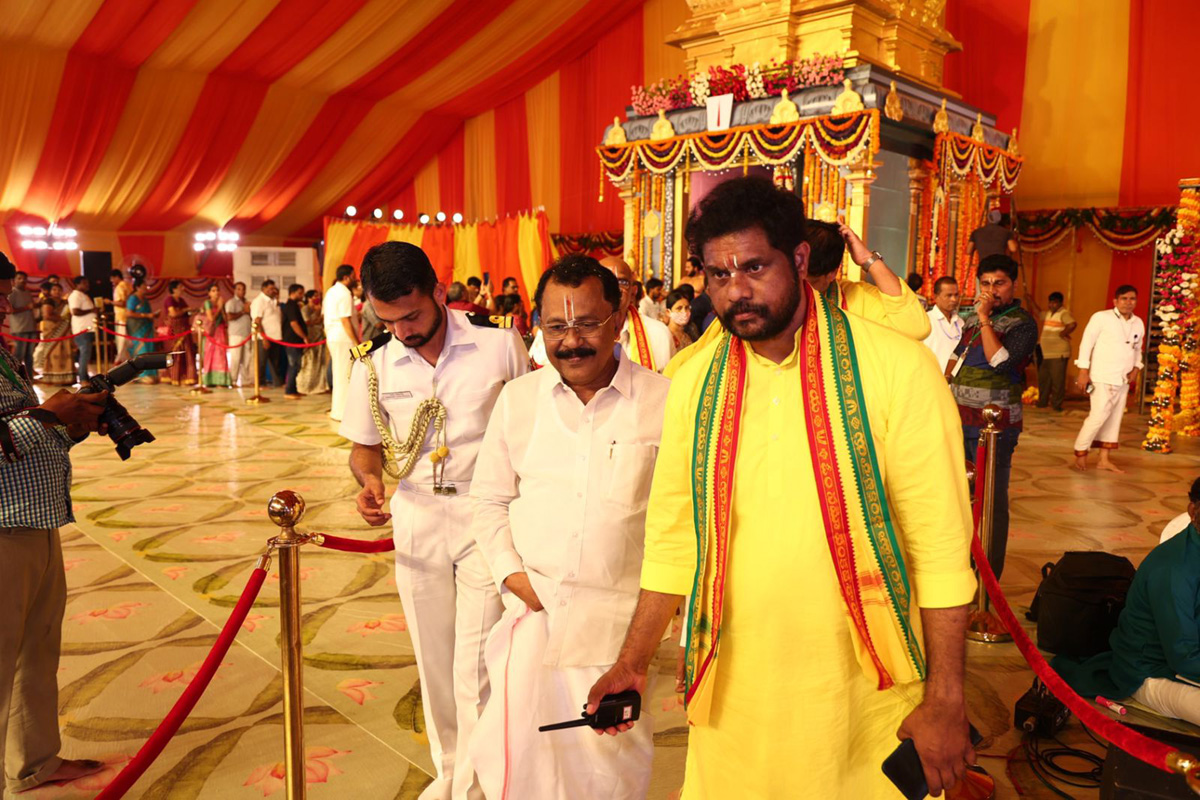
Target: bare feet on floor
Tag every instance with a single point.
(69, 770)
(1080, 464)
(1105, 464)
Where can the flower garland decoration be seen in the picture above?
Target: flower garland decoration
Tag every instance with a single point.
(1176, 284)
(743, 82)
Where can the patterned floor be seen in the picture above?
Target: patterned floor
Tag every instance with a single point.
(165, 541)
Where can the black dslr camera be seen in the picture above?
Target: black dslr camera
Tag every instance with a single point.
(123, 429)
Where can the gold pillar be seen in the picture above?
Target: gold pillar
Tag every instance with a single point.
(286, 509)
(858, 205)
(917, 176)
(627, 191)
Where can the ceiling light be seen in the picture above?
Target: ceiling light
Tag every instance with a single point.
(377, 213)
(424, 219)
(458, 218)
(397, 215)
(198, 246)
(351, 211)
(441, 216)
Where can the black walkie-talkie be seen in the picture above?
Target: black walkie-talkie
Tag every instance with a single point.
(614, 710)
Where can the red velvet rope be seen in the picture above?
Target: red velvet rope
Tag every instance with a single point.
(290, 344)
(187, 701)
(357, 545)
(35, 341)
(227, 346)
(172, 338)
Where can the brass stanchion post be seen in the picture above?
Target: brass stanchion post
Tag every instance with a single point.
(255, 332)
(198, 332)
(985, 626)
(286, 509)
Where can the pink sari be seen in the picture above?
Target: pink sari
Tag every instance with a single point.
(214, 348)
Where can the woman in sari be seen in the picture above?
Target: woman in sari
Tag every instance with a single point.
(58, 367)
(179, 318)
(139, 322)
(315, 363)
(214, 346)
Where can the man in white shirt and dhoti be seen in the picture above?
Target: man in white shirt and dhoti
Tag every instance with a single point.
(340, 336)
(560, 493)
(1110, 358)
(432, 380)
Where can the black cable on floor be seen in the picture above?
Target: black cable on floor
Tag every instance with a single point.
(1034, 767)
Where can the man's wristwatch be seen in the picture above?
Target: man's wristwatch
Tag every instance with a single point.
(875, 256)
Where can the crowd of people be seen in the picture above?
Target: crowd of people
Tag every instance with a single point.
(765, 435)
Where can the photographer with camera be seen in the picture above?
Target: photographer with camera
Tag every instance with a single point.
(35, 482)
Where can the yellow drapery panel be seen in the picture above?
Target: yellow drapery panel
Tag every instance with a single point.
(466, 252)
(179, 259)
(385, 125)
(529, 248)
(479, 166)
(541, 120)
(427, 186)
(660, 18)
(1073, 114)
(379, 29)
(209, 33)
(338, 234)
(413, 234)
(282, 119)
(28, 75)
(52, 23)
(521, 27)
(147, 134)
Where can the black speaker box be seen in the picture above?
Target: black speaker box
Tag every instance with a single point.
(97, 268)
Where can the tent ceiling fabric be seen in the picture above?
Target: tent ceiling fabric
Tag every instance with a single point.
(158, 115)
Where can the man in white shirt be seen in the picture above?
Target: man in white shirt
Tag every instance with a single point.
(946, 326)
(1110, 358)
(83, 323)
(560, 495)
(431, 360)
(645, 340)
(340, 335)
(266, 312)
(238, 315)
(122, 289)
(652, 304)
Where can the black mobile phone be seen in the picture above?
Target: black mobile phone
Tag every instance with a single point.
(487, 279)
(903, 768)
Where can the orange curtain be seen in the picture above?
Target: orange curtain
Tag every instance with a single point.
(451, 175)
(438, 244)
(512, 157)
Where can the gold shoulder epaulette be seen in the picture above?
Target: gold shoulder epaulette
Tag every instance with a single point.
(491, 321)
(366, 348)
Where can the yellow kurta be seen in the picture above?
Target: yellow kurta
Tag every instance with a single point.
(793, 714)
(902, 313)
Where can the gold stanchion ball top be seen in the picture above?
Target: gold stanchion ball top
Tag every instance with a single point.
(286, 508)
(992, 414)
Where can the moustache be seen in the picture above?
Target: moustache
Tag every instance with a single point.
(746, 307)
(577, 352)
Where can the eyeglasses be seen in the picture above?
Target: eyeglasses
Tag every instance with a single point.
(624, 283)
(585, 328)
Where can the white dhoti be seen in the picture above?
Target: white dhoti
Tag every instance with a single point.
(122, 344)
(450, 604)
(1170, 698)
(240, 361)
(1102, 428)
(513, 760)
(339, 355)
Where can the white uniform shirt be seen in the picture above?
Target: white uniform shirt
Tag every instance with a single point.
(472, 368)
(658, 336)
(76, 301)
(560, 493)
(239, 328)
(338, 304)
(1111, 347)
(267, 308)
(944, 335)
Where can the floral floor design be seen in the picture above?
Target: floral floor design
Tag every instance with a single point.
(165, 541)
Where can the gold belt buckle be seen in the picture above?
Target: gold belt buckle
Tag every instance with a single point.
(448, 491)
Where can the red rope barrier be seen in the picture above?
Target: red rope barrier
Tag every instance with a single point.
(35, 341)
(171, 338)
(227, 346)
(355, 545)
(291, 344)
(187, 701)
(1137, 745)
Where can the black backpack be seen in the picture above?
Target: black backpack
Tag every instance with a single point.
(1078, 602)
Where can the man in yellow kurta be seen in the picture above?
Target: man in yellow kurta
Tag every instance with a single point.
(812, 469)
(888, 301)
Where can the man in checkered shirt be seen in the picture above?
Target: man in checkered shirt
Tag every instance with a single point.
(35, 500)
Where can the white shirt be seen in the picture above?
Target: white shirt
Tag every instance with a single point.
(76, 301)
(337, 305)
(560, 493)
(658, 336)
(651, 309)
(944, 335)
(1111, 347)
(239, 328)
(472, 368)
(267, 309)
(1175, 527)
